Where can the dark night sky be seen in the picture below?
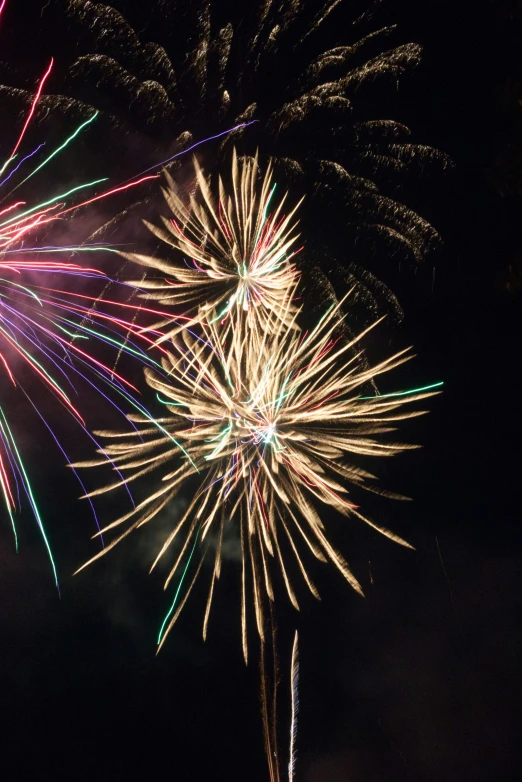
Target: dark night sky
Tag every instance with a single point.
(421, 680)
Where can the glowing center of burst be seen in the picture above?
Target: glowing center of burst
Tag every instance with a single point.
(263, 433)
(256, 431)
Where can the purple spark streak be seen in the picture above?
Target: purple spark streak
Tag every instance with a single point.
(70, 465)
(22, 161)
(197, 144)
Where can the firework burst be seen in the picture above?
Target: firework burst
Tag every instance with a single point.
(300, 81)
(272, 431)
(45, 334)
(232, 252)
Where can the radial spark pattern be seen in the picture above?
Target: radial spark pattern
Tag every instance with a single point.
(270, 433)
(231, 252)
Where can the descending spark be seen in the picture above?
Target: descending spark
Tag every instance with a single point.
(174, 602)
(269, 427)
(27, 487)
(269, 681)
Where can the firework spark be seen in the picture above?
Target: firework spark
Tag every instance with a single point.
(267, 430)
(240, 252)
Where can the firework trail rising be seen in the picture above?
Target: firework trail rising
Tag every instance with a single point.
(294, 690)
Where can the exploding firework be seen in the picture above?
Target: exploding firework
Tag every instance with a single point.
(239, 252)
(45, 334)
(267, 430)
(300, 81)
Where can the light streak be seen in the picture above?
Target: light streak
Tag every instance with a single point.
(171, 609)
(59, 149)
(406, 393)
(114, 190)
(40, 332)
(32, 109)
(294, 692)
(54, 200)
(38, 148)
(29, 492)
(198, 144)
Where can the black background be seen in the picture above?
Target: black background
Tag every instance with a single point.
(420, 680)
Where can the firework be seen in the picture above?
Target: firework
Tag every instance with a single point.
(42, 330)
(267, 431)
(306, 74)
(232, 252)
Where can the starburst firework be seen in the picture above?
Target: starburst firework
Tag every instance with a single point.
(268, 430)
(239, 252)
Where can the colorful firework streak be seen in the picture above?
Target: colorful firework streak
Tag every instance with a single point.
(41, 330)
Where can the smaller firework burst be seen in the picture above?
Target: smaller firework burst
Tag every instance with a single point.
(232, 253)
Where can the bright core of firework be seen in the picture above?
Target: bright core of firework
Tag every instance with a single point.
(233, 251)
(271, 430)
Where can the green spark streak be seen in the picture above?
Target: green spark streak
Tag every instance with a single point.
(179, 585)
(66, 331)
(9, 160)
(54, 200)
(65, 144)
(7, 500)
(221, 436)
(227, 308)
(31, 498)
(27, 290)
(405, 393)
(168, 402)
